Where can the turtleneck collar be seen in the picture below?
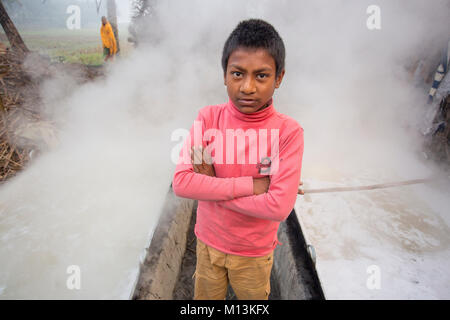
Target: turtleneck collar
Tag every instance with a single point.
(251, 117)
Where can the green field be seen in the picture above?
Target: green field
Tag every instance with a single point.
(71, 46)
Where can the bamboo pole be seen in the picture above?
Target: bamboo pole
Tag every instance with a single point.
(368, 187)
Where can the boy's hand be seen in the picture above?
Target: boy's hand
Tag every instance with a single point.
(300, 191)
(202, 163)
(261, 185)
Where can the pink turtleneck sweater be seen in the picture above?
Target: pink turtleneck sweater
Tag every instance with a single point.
(230, 217)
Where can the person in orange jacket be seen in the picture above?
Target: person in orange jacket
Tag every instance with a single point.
(108, 40)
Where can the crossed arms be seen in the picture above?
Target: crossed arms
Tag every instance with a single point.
(270, 198)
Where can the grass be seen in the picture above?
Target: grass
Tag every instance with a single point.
(92, 57)
(72, 46)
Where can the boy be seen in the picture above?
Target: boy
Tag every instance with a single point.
(241, 201)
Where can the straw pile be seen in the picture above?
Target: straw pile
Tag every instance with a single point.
(20, 104)
(15, 84)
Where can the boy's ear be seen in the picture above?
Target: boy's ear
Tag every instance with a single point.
(279, 79)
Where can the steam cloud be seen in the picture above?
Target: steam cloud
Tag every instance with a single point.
(94, 199)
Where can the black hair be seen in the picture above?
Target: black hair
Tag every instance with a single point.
(255, 33)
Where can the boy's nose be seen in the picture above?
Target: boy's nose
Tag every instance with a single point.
(248, 86)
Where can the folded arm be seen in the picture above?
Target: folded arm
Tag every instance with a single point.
(280, 199)
(189, 184)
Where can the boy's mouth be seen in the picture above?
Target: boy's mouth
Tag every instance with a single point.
(248, 102)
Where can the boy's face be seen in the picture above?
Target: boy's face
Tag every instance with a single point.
(251, 78)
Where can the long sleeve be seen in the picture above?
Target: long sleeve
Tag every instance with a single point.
(278, 202)
(102, 35)
(188, 184)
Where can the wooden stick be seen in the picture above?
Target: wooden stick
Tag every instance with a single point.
(369, 187)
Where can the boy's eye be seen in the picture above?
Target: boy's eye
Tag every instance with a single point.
(262, 76)
(236, 74)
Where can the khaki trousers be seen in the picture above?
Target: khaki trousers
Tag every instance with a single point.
(248, 276)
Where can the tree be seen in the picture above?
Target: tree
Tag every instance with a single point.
(139, 30)
(142, 8)
(112, 18)
(13, 35)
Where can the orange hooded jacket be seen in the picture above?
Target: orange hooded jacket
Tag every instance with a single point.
(108, 39)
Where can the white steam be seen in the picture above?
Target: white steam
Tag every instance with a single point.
(94, 199)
